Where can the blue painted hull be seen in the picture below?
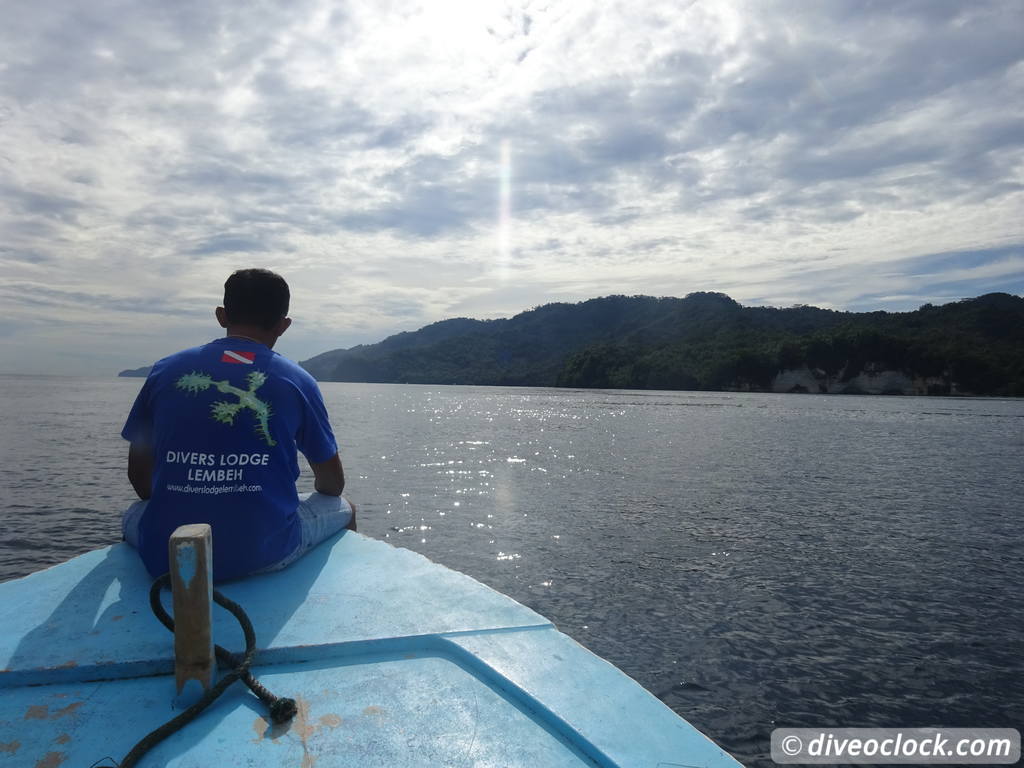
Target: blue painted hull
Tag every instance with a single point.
(394, 661)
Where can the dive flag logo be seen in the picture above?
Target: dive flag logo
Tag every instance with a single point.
(232, 356)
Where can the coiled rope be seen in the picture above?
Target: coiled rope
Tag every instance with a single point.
(281, 709)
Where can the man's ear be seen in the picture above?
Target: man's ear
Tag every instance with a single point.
(283, 325)
(222, 317)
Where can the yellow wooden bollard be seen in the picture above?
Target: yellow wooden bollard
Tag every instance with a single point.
(191, 556)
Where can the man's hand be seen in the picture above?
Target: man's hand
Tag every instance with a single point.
(329, 476)
(140, 469)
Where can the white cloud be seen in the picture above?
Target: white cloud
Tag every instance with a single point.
(777, 151)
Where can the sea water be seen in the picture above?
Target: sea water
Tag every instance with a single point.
(754, 560)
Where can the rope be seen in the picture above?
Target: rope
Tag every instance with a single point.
(281, 709)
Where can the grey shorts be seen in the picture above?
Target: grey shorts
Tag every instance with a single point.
(320, 516)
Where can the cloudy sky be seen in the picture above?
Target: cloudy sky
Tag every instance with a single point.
(401, 163)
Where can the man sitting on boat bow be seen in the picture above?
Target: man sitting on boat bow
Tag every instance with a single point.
(214, 436)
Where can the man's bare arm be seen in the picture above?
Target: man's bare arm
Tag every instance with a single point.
(140, 469)
(329, 476)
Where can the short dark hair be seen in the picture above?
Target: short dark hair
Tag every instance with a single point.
(256, 297)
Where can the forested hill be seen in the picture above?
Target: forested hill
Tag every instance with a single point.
(708, 341)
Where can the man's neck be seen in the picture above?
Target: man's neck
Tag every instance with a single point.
(252, 333)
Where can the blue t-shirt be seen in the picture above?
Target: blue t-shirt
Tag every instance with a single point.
(223, 421)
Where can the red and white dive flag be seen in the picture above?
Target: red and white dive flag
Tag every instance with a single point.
(245, 358)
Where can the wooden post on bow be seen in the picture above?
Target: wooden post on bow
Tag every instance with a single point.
(191, 555)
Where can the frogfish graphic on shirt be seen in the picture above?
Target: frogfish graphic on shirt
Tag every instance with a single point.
(224, 430)
(224, 411)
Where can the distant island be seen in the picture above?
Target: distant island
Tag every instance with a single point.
(707, 341)
(140, 372)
